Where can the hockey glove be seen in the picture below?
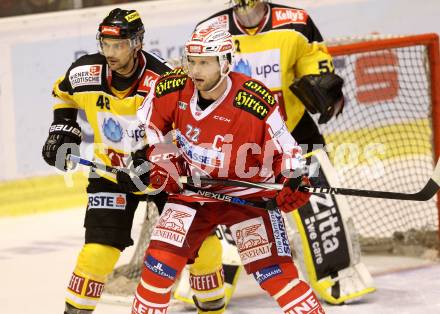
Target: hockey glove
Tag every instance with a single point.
(166, 167)
(320, 93)
(64, 138)
(137, 177)
(290, 198)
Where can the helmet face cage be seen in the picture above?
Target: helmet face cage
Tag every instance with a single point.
(245, 4)
(121, 24)
(133, 42)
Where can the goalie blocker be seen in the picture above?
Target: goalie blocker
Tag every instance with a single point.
(325, 242)
(320, 93)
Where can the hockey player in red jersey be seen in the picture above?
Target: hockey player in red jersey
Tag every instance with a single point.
(226, 125)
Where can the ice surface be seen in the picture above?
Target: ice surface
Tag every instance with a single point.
(38, 253)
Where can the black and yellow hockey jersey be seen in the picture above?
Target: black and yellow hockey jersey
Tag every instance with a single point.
(111, 113)
(286, 45)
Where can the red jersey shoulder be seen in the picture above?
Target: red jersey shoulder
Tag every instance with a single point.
(284, 15)
(171, 81)
(251, 96)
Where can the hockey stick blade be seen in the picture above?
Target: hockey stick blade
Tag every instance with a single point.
(429, 190)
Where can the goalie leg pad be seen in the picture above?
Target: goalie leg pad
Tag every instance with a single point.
(158, 276)
(326, 243)
(95, 262)
(293, 295)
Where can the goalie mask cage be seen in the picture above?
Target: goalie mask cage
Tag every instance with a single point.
(386, 139)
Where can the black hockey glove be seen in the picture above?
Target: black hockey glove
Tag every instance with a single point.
(64, 138)
(136, 178)
(320, 93)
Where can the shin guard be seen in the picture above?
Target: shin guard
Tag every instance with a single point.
(206, 278)
(292, 294)
(154, 289)
(95, 262)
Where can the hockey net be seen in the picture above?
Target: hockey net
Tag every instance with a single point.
(384, 140)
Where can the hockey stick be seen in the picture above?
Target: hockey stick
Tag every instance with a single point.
(213, 195)
(94, 165)
(428, 191)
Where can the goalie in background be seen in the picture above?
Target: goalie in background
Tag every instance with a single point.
(267, 38)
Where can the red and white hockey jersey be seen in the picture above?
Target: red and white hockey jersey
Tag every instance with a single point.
(239, 136)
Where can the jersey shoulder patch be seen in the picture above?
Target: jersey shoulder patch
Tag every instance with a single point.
(170, 82)
(249, 102)
(251, 96)
(85, 75)
(284, 15)
(86, 71)
(147, 81)
(261, 90)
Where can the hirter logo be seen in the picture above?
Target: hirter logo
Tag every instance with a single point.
(284, 16)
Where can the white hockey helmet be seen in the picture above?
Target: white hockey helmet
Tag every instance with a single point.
(211, 41)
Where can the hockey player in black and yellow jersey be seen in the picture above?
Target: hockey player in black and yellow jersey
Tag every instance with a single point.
(110, 87)
(270, 41)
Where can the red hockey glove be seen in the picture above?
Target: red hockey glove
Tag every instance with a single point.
(289, 198)
(166, 167)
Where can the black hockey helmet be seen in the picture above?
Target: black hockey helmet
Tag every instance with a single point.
(123, 24)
